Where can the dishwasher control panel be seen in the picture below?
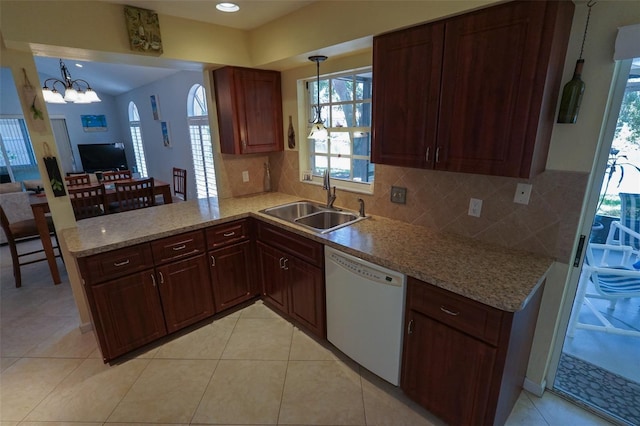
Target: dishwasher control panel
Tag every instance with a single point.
(366, 271)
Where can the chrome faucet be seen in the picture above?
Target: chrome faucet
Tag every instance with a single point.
(326, 185)
(361, 201)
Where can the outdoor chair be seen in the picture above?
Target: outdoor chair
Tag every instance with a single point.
(626, 231)
(614, 276)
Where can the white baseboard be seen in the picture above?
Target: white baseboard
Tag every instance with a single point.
(87, 326)
(535, 388)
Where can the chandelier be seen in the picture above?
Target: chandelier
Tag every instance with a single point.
(75, 91)
(318, 130)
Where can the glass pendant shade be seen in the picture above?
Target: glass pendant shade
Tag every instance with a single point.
(572, 96)
(74, 90)
(318, 131)
(91, 96)
(70, 94)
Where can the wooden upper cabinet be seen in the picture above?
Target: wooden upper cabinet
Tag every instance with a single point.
(498, 86)
(249, 105)
(406, 70)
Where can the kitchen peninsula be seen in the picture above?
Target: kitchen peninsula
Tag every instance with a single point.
(151, 272)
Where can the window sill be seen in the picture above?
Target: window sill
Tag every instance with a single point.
(357, 188)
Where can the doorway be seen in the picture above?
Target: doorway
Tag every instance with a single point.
(599, 365)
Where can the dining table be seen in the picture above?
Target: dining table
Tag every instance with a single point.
(40, 207)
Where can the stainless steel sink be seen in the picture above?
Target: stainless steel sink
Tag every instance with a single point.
(293, 211)
(313, 216)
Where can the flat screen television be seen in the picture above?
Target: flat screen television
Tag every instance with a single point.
(102, 157)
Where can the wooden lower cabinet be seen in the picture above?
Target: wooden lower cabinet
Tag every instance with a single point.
(185, 292)
(464, 361)
(127, 313)
(231, 275)
(293, 287)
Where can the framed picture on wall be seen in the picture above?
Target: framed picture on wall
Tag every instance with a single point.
(94, 123)
(155, 107)
(166, 137)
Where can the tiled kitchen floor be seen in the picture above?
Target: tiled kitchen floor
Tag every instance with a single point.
(250, 367)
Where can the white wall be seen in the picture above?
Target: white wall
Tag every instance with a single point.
(172, 94)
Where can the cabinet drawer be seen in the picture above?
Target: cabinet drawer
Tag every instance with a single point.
(116, 263)
(478, 320)
(227, 233)
(178, 247)
(301, 247)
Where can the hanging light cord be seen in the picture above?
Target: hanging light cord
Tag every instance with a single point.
(584, 37)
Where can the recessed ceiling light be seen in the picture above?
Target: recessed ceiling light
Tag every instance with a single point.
(79, 65)
(227, 7)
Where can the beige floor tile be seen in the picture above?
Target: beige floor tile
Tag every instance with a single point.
(144, 424)
(258, 310)
(61, 424)
(28, 381)
(168, 391)
(90, 393)
(557, 411)
(6, 363)
(525, 413)
(260, 339)
(386, 405)
(20, 335)
(206, 342)
(321, 393)
(66, 343)
(243, 392)
(8, 423)
(307, 348)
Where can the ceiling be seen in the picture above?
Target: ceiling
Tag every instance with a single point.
(117, 78)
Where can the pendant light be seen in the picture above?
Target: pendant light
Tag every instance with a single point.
(75, 91)
(318, 130)
(574, 89)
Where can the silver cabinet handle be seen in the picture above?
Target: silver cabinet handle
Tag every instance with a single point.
(410, 327)
(437, 154)
(282, 263)
(229, 234)
(285, 267)
(126, 262)
(153, 279)
(161, 277)
(182, 247)
(449, 312)
(427, 154)
(213, 261)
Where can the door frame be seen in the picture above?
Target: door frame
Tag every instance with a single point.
(589, 205)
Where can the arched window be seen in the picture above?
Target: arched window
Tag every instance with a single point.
(136, 138)
(201, 146)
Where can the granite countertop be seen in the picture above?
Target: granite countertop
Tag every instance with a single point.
(496, 276)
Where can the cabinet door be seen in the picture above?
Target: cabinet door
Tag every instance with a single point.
(231, 275)
(127, 313)
(406, 89)
(446, 371)
(306, 295)
(496, 73)
(259, 110)
(185, 292)
(274, 286)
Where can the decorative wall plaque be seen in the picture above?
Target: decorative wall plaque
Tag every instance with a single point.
(143, 27)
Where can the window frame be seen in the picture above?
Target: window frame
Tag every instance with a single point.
(137, 140)
(306, 103)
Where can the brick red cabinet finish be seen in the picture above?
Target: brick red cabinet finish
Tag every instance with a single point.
(231, 275)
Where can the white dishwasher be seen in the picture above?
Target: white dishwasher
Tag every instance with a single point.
(365, 312)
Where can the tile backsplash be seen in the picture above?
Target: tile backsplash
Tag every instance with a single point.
(440, 200)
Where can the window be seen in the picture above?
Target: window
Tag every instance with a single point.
(201, 148)
(17, 161)
(136, 138)
(345, 101)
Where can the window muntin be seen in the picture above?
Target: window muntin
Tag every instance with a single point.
(345, 102)
(16, 151)
(136, 139)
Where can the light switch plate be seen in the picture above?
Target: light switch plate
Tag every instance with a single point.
(245, 176)
(523, 193)
(398, 195)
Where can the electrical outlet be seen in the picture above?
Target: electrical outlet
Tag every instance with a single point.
(398, 195)
(523, 193)
(475, 207)
(245, 176)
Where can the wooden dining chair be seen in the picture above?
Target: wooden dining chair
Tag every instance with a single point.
(135, 195)
(89, 201)
(19, 231)
(179, 184)
(117, 175)
(74, 180)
